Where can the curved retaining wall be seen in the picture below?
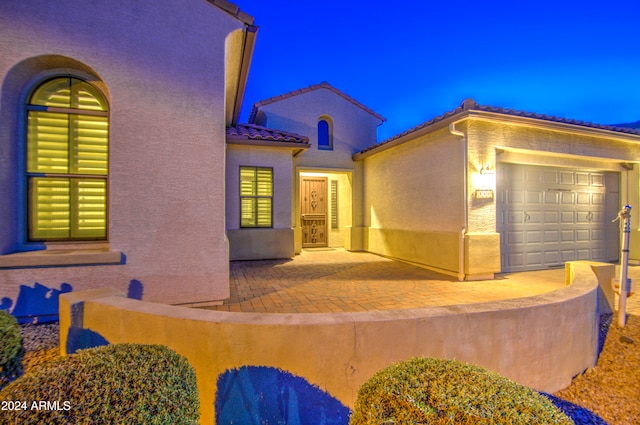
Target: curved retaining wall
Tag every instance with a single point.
(541, 341)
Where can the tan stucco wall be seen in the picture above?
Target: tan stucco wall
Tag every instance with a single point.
(251, 244)
(541, 341)
(353, 129)
(413, 201)
(414, 185)
(162, 67)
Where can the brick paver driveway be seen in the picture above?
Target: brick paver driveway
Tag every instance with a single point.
(335, 280)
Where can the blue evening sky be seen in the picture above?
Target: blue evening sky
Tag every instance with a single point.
(412, 60)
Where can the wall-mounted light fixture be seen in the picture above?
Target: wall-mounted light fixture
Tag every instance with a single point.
(483, 183)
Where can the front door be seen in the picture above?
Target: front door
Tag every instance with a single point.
(313, 207)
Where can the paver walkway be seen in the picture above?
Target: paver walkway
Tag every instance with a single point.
(335, 280)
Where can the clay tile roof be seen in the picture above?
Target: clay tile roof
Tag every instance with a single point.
(322, 85)
(256, 132)
(472, 105)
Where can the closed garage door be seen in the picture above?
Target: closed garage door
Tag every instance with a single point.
(548, 215)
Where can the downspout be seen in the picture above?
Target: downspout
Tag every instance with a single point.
(465, 201)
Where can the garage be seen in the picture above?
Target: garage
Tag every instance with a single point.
(548, 215)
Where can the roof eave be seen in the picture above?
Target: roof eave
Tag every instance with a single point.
(566, 127)
(296, 147)
(409, 136)
(504, 118)
(250, 35)
(233, 10)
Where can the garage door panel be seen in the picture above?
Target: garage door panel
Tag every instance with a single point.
(552, 258)
(567, 178)
(515, 238)
(567, 235)
(533, 176)
(584, 217)
(553, 215)
(597, 199)
(598, 253)
(583, 199)
(551, 236)
(532, 217)
(515, 217)
(533, 197)
(598, 180)
(567, 217)
(533, 236)
(568, 198)
(550, 177)
(534, 258)
(582, 235)
(583, 254)
(516, 260)
(515, 197)
(597, 235)
(551, 197)
(583, 179)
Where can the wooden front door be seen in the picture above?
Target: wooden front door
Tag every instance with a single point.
(313, 207)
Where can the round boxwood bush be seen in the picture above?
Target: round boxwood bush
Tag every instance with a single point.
(10, 337)
(122, 383)
(11, 349)
(436, 391)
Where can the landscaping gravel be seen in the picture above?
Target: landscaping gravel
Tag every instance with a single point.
(605, 394)
(611, 389)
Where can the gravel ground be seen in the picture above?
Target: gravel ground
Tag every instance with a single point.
(610, 390)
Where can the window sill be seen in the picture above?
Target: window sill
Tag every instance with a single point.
(61, 258)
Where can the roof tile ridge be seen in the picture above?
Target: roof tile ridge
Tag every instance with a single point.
(307, 89)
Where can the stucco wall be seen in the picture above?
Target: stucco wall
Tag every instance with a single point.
(413, 201)
(541, 341)
(353, 129)
(162, 66)
(252, 244)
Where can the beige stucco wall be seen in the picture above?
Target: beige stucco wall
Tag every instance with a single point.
(162, 67)
(541, 341)
(251, 244)
(353, 129)
(414, 206)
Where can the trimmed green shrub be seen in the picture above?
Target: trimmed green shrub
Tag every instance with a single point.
(122, 383)
(435, 391)
(11, 349)
(10, 337)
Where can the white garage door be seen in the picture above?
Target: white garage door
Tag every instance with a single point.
(548, 215)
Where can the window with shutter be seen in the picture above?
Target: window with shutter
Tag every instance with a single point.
(67, 161)
(256, 196)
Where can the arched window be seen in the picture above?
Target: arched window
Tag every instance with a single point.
(67, 161)
(325, 134)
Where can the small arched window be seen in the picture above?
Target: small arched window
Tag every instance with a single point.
(67, 161)
(325, 133)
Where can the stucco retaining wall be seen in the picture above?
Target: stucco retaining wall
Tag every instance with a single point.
(540, 341)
